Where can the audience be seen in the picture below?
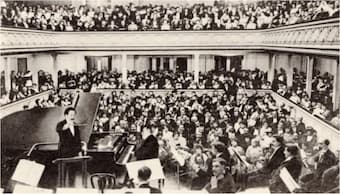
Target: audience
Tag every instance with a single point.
(167, 79)
(320, 101)
(195, 129)
(22, 86)
(131, 17)
(208, 135)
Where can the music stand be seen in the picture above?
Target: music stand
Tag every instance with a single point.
(62, 162)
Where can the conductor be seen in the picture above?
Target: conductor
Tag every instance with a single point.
(69, 137)
(69, 142)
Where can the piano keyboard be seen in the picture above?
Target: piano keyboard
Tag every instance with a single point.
(125, 156)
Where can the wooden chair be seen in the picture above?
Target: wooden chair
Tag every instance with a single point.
(103, 181)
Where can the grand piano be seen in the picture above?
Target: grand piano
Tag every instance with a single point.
(21, 130)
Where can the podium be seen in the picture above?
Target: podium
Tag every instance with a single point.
(62, 162)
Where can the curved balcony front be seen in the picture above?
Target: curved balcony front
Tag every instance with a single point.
(320, 37)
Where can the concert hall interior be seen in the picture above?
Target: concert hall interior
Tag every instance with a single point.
(169, 96)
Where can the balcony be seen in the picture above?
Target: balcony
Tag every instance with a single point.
(320, 37)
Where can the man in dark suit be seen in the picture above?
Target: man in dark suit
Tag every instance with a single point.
(221, 181)
(261, 176)
(149, 148)
(220, 150)
(69, 141)
(144, 175)
(277, 157)
(324, 160)
(294, 167)
(69, 136)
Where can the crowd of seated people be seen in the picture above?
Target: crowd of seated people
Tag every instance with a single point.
(167, 79)
(22, 86)
(255, 15)
(52, 100)
(209, 134)
(320, 101)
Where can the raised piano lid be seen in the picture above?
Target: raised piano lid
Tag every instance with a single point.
(22, 129)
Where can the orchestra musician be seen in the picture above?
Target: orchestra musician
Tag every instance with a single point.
(69, 141)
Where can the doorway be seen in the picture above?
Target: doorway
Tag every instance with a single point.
(99, 63)
(182, 64)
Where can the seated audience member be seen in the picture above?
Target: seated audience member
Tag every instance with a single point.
(179, 140)
(144, 175)
(309, 139)
(198, 150)
(288, 135)
(336, 121)
(221, 181)
(254, 152)
(272, 162)
(324, 160)
(221, 151)
(201, 176)
(294, 166)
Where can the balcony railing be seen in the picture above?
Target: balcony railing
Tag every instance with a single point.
(19, 105)
(319, 35)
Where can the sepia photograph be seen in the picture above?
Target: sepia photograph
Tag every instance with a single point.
(169, 96)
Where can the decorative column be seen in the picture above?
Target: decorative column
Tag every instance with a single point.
(290, 72)
(336, 87)
(172, 63)
(7, 63)
(154, 64)
(161, 66)
(227, 64)
(309, 73)
(124, 68)
(30, 66)
(54, 73)
(271, 70)
(196, 64)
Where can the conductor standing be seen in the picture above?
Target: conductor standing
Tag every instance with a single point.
(69, 141)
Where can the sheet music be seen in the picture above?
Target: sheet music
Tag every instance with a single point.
(28, 172)
(154, 164)
(288, 180)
